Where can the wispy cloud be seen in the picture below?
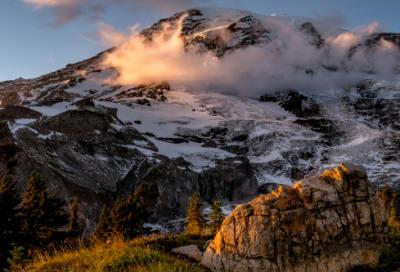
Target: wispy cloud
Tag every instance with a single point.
(69, 10)
(109, 36)
(49, 59)
(331, 17)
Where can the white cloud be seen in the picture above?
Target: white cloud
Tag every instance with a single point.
(253, 70)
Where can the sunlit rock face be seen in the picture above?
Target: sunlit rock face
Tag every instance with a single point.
(324, 223)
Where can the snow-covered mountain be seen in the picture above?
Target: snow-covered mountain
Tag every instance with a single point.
(99, 141)
(204, 26)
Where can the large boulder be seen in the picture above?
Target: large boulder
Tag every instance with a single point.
(324, 223)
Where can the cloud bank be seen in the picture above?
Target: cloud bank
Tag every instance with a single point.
(288, 62)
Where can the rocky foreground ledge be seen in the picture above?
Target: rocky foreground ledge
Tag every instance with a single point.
(324, 223)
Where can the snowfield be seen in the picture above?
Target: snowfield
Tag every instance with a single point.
(271, 132)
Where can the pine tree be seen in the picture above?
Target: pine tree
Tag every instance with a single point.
(74, 230)
(41, 215)
(127, 216)
(103, 227)
(396, 202)
(9, 200)
(138, 213)
(392, 217)
(195, 218)
(386, 197)
(141, 193)
(120, 215)
(216, 217)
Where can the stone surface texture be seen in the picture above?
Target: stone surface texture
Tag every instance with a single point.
(190, 251)
(326, 223)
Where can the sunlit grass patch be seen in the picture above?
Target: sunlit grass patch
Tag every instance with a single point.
(117, 254)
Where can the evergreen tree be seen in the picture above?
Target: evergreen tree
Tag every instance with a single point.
(74, 230)
(141, 194)
(138, 213)
(392, 217)
(396, 202)
(41, 215)
(127, 216)
(195, 218)
(216, 217)
(120, 215)
(9, 200)
(386, 197)
(103, 227)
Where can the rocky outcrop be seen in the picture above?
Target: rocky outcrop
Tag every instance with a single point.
(190, 251)
(11, 113)
(324, 223)
(230, 180)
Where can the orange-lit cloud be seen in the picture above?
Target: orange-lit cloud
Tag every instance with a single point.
(53, 3)
(109, 36)
(278, 65)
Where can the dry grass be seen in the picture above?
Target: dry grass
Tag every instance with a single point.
(118, 254)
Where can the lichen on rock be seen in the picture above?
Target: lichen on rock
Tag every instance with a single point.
(324, 223)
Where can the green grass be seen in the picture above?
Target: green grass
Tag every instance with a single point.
(118, 254)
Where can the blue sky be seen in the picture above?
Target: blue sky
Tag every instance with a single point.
(38, 39)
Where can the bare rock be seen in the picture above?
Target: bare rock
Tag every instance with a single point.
(207, 244)
(85, 102)
(324, 223)
(18, 112)
(190, 251)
